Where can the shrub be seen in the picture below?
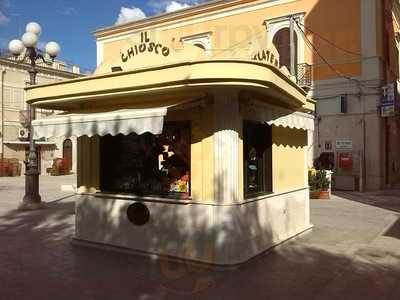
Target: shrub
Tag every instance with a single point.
(317, 180)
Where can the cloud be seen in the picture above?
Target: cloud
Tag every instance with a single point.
(174, 6)
(68, 11)
(129, 14)
(159, 6)
(6, 3)
(3, 18)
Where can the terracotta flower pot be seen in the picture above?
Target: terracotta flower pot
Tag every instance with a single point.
(314, 194)
(324, 195)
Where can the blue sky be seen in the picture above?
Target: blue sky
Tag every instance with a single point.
(70, 23)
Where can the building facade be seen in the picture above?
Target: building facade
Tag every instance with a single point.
(14, 115)
(192, 139)
(347, 55)
(357, 128)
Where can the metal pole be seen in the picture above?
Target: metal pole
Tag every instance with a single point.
(3, 71)
(292, 48)
(32, 199)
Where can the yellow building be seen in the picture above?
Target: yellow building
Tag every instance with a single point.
(347, 53)
(13, 129)
(186, 148)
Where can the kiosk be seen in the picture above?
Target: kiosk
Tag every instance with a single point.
(184, 154)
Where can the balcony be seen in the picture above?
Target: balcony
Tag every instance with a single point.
(24, 118)
(304, 76)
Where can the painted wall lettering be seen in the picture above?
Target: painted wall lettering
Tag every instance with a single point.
(145, 46)
(267, 56)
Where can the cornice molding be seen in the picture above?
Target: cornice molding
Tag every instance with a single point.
(211, 9)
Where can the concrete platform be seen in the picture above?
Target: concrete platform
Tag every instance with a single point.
(353, 252)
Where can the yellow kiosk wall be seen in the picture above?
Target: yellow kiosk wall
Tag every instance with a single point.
(288, 157)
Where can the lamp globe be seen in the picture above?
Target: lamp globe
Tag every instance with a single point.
(16, 47)
(34, 27)
(29, 39)
(52, 49)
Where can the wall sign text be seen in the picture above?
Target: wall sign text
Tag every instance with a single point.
(267, 56)
(146, 45)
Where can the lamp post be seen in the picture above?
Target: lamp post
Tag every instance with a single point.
(27, 48)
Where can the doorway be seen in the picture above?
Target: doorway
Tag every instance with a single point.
(67, 153)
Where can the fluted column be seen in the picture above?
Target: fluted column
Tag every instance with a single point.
(228, 157)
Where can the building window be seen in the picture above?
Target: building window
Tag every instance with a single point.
(147, 164)
(257, 144)
(18, 99)
(201, 46)
(7, 97)
(281, 40)
(201, 40)
(279, 34)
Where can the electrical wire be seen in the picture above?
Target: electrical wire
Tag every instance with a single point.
(234, 46)
(329, 42)
(337, 72)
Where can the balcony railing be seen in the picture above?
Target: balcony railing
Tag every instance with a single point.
(57, 65)
(304, 75)
(24, 118)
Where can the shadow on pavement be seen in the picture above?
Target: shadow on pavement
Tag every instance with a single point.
(394, 230)
(37, 261)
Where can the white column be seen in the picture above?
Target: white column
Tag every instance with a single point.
(100, 52)
(227, 155)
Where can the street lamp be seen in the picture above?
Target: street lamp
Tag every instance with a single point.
(27, 48)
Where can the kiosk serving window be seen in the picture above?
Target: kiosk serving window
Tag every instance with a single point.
(148, 164)
(257, 140)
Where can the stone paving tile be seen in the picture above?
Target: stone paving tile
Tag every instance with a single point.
(352, 253)
(388, 199)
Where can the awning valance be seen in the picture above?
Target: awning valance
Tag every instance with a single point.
(277, 116)
(296, 120)
(124, 122)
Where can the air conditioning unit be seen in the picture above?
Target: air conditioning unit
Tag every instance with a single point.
(23, 133)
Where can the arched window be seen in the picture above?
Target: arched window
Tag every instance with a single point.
(201, 46)
(281, 41)
(67, 153)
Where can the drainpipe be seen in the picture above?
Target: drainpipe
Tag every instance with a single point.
(363, 171)
(385, 82)
(3, 72)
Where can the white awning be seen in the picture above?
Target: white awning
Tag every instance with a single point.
(295, 120)
(27, 143)
(124, 122)
(277, 116)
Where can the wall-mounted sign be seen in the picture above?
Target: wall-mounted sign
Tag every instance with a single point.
(388, 110)
(388, 103)
(345, 161)
(153, 48)
(344, 144)
(328, 145)
(146, 45)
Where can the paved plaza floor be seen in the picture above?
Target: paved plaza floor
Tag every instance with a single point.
(353, 252)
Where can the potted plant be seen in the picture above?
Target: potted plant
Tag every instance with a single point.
(325, 185)
(313, 183)
(319, 184)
